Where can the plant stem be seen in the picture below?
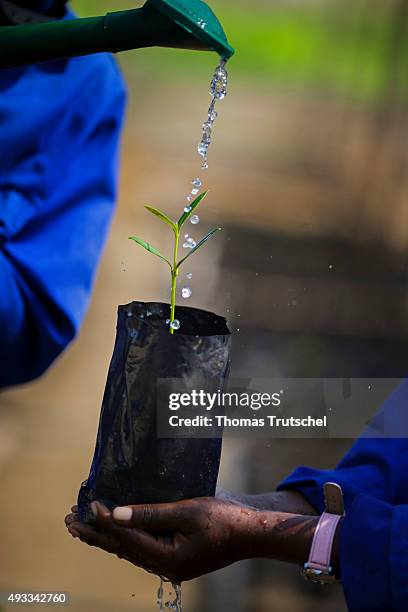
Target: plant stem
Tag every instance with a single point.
(174, 274)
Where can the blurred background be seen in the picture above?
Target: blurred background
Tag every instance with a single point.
(308, 179)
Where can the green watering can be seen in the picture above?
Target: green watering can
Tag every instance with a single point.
(186, 24)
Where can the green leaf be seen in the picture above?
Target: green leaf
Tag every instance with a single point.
(193, 205)
(199, 244)
(149, 248)
(162, 216)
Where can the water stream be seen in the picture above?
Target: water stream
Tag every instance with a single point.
(218, 91)
(174, 601)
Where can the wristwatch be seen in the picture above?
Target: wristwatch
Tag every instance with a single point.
(318, 568)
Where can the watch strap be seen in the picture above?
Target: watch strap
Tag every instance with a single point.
(318, 567)
(333, 498)
(321, 549)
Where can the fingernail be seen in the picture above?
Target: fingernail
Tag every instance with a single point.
(94, 508)
(122, 513)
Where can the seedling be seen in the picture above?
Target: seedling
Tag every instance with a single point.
(175, 265)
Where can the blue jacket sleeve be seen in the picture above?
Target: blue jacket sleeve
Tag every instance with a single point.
(373, 556)
(56, 205)
(377, 466)
(374, 533)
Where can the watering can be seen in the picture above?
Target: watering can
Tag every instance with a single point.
(186, 24)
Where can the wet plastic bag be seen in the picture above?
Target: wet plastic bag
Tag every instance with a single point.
(131, 464)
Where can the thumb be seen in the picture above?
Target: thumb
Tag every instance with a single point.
(173, 516)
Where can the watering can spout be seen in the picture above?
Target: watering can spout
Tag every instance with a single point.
(185, 24)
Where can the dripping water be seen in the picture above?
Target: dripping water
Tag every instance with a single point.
(218, 91)
(174, 602)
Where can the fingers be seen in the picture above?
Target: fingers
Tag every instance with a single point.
(71, 518)
(128, 536)
(156, 554)
(90, 536)
(141, 544)
(103, 517)
(171, 516)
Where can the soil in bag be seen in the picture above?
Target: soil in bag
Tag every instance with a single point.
(131, 464)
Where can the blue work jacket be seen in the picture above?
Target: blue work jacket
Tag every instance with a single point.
(374, 534)
(59, 131)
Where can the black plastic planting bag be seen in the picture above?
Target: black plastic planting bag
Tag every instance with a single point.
(131, 464)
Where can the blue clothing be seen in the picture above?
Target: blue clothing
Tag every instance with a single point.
(59, 124)
(374, 534)
(38, 5)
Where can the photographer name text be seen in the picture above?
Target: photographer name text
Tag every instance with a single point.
(228, 422)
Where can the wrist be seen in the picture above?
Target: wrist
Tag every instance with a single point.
(275, 535)
(290, 538)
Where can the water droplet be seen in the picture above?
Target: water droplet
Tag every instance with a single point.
(175, 324)
(202, 149)
(194, 191)
(189, 244)
(186, 292)
(167, 321)
(189, 275)
(237, 328)
(187, 209)
(194, 219)
(218, 87)
(212, 115)
(189, 198)
(331, 267)
(160, 593)
(204, 165)
(185, 235)
(207, 132)
(196, 182)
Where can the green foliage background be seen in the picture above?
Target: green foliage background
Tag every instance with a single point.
(327, 46)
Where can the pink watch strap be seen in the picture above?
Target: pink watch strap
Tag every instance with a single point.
(320, 552)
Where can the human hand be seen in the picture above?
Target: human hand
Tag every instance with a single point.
(186, 539)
